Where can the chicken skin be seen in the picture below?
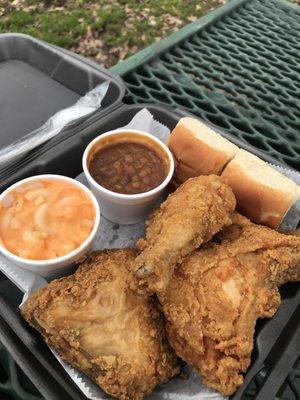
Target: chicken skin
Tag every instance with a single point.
(189, 217)
(218, 292)
(98, 325)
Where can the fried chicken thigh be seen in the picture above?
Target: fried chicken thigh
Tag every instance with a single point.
(189, 217)
(98, 325)
(217, 293)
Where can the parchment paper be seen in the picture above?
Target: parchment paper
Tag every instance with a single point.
(111, 235)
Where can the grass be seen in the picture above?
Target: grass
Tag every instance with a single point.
(107, 31)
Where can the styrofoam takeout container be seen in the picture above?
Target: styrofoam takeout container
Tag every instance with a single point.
(54, 79)
(61, 265)
(126, 208)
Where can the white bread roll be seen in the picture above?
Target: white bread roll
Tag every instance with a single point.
(198, 150)
(263, 194)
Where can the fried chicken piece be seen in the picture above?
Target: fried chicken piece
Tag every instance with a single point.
(217, 293)
(98, 325)
(189, 217)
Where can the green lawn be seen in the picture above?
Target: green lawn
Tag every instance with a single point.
(107, 31)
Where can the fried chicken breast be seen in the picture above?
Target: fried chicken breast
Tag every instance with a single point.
(189, 217)
(98, 325)
(217, 293)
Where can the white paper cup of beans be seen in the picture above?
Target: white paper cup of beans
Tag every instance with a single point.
(47, 223)
(127, 170)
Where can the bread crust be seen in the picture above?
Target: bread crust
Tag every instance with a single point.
(194, 154)
(262, 203)
(263, 194)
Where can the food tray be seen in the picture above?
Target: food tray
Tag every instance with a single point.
(268, 344)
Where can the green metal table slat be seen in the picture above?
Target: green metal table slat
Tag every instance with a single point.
(237, 67)
(14, 384)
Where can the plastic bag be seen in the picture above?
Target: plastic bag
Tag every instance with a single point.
(85, 105)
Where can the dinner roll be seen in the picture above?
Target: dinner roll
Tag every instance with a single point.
(198, 150)
(263, 194)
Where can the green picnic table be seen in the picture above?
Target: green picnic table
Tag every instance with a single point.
(238, 68)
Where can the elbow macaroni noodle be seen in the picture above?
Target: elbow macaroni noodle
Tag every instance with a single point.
(45, 219)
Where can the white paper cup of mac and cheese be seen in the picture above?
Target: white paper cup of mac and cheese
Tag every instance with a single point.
(47, 223)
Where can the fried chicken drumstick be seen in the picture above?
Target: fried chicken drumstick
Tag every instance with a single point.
(189, 217)
(98, 325)
(217, 293)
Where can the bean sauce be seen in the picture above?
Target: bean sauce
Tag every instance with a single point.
(128, 167)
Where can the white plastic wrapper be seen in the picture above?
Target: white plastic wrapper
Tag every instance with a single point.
(111, 235)
(84, 106)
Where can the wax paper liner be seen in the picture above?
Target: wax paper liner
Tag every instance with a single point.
(111, 235)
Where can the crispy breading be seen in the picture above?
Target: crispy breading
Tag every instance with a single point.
(189, 217)
(217, 293)
(98, 325)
